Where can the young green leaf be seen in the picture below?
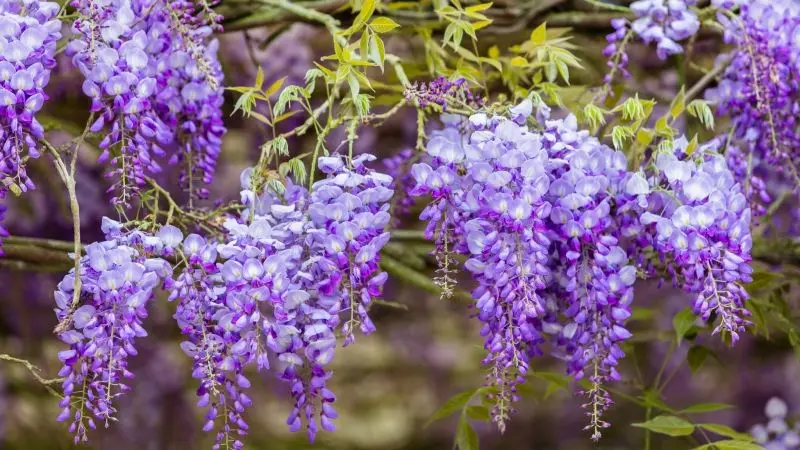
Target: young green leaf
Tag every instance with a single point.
(455, 404)
(466, 437)
(724, 430)
(539, 35)
(682, 323)
(383, 25)
(678, 104)
(705, 408)
(259, 77)
(669, 425)
(367, 8)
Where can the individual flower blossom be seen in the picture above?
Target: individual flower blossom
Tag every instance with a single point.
(117, 284)
(777, 434)
(664, 23)
(29, 31)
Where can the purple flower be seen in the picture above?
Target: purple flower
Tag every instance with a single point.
(117, 283)
(28, 36)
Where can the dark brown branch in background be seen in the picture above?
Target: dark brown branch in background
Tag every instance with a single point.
(507, 17)
(35, 254)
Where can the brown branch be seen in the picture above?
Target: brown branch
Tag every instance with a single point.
(506, 18)
(47, 383)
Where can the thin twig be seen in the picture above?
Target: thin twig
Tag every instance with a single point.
(47, 383)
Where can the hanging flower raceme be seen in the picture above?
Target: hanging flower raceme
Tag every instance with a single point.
(190, 90)
(217, 363)
(118, 278)
(487, 179)
(152, 73)
(698, 220)
(664, 22)
(593, 279)
(29, 31)
(113, 49)
(294, 270)
(759, 89)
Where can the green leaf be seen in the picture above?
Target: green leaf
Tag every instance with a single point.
(478, 8)
(539, 35)
(550, 71)
(724, 430)
(298, 170)
(383, 25)
(518, 61)
(731, 444)
(619, 135)
(274, 87)
(701, 110)
(678, 104)
(652, 398)
(761, 280)
(455, 404)
(669, 425)
(377, 53)
(593, 115)
(691, 146)
(705, 408)
(682, 323)
(632, 109)
(663, 128)
(466, 438)
(367, 8)
(12, 186)
(557, 379)
(259, 77)
(563, 70)
(478, 412)
(644, 136)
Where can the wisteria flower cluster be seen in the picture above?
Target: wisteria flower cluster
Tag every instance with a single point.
(664, 23)
(294, 270)
(117, 282)
(150, 87)
(545, 217)
(698, 218)
(759, 89)
(28, 34)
